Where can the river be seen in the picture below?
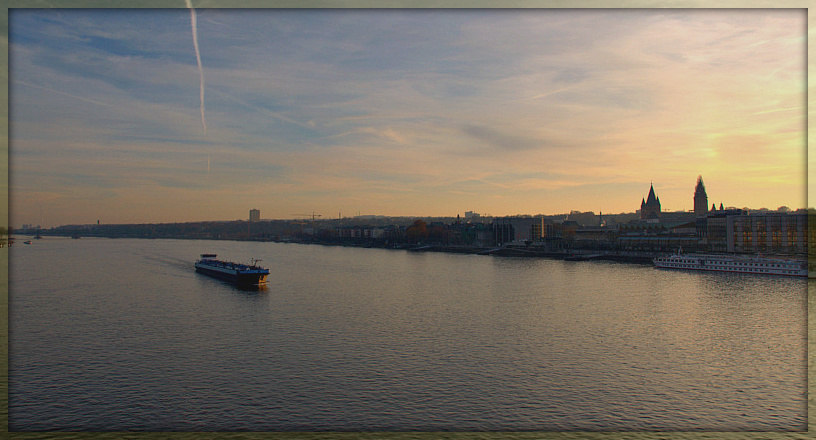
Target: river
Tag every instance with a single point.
(122, 334)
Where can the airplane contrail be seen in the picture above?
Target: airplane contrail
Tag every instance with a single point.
(198, 59)
(62, 93)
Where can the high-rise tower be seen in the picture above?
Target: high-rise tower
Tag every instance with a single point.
(700, 198)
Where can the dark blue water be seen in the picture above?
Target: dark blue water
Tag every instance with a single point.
(124, 335)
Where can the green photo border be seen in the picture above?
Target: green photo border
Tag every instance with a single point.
(200, 4)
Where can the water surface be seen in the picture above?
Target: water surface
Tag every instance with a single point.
(124, 335)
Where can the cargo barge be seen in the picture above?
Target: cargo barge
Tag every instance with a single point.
(244, 275)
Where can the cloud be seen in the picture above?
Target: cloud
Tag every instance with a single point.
(526, 105)
(82, 98)
(495, 139)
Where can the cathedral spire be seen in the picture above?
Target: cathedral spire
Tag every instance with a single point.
(700, 188)
(651, 197)
(700, 198)
(650, 207)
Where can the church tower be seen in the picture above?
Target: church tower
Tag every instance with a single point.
(700, 198)
(650, 208)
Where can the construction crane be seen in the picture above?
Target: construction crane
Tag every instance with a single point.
(313, 216)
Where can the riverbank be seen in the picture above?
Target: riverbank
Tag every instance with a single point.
(538, 252)
(532, 250)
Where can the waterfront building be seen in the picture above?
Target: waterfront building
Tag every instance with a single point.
(811, 228)
(254, 215)
(595, 237)
(474, 234)
(359, 232)
(767, 232)
(716, 231)
(650, 207)
(659, 242)
(662, 236)
(700, 198)
(560, 233)
(438, 232)
(656, 237)
(510, 229)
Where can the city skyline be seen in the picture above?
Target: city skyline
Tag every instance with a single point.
(134, 116)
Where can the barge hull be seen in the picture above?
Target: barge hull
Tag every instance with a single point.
(239, 278)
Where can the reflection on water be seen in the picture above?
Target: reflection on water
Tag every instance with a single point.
(206, 281)
(258, 288)
(124, 336)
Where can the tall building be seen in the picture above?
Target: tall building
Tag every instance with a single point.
(254, 215)
(650, 207)
(700, 198)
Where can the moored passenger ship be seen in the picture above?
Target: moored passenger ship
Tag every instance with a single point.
(733, 263)
(241, 274)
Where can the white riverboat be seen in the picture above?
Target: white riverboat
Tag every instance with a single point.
(734, 263)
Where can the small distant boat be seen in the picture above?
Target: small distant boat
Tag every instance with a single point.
(244, 275)
(733, 263)
(27, 242)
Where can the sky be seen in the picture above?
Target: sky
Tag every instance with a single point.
(177, 115)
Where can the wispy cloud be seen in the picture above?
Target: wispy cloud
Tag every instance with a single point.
(81, 98)
(799, 108)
